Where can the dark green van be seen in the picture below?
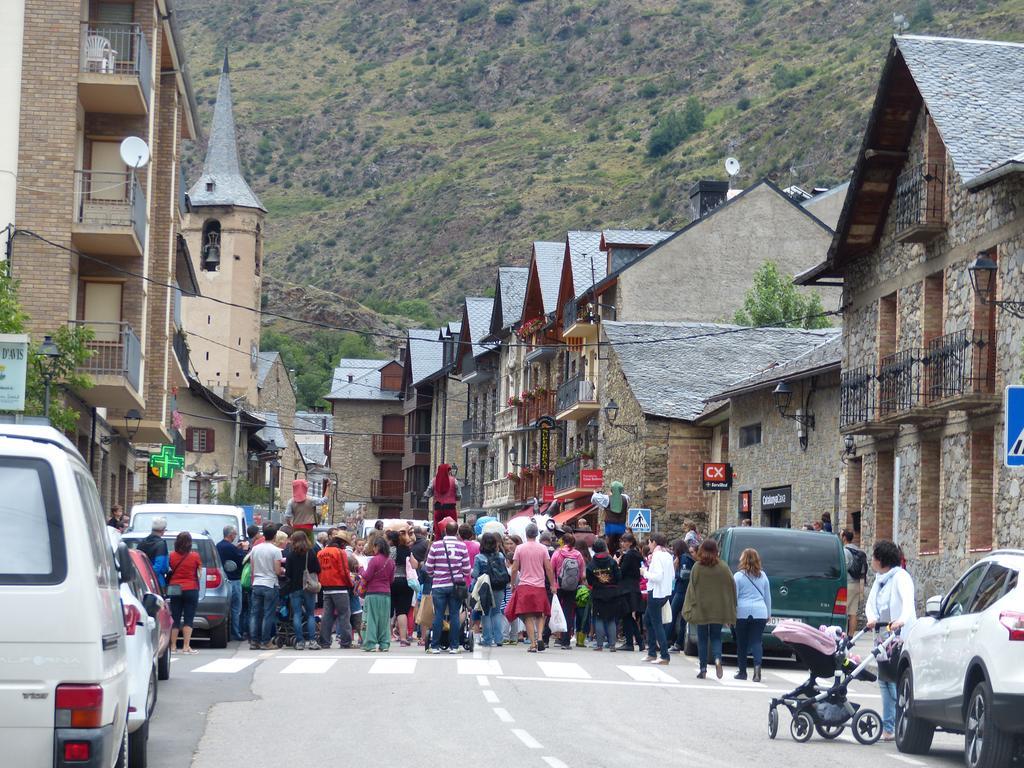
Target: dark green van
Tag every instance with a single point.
(807, 571)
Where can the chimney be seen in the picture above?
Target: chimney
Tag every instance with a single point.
(705, 196)
(350, 378)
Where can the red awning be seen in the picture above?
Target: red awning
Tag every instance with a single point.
(571, 514)
(526, 511)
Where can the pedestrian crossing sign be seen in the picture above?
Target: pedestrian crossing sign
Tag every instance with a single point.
(1013, 418)
(639, 520)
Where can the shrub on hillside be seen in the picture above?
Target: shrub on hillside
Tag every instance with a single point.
(505, 17)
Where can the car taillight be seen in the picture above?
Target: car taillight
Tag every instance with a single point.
(839, 608)
(132, 617)
(1014, 622)
(213, 578)
(78, 706)
(76, 751)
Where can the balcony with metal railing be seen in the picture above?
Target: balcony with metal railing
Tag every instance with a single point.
(386, 490)
(114, 366)
(110, 216)
(858, 396)
(571, 479)
(388, 445)
(473, 434)
(920, 203)
(416, 451)
(115, 69)
(576, 399)
(179, 343)
(902, 387)
(579, 320)
(961, 371)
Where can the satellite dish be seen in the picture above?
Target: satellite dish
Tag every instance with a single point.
(732, 166)
(135, 152)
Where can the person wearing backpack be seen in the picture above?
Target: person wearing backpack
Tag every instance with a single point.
(490, 562)
(857, 579)
(570, 569)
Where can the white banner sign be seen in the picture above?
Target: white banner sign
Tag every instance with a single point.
(13, 367)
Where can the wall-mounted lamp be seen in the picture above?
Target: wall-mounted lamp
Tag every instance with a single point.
(132, 419)
(783, 395)
(849, 449)
(983, 280)
(611, 413)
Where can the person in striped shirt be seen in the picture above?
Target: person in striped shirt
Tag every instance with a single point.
(449, 567)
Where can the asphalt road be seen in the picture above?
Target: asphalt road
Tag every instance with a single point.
(501, 706)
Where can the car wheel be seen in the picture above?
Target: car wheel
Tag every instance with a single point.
(219, 635)
(137, 746)
(913, 735)
(689, 644)
(985, 746)
(122, 752)
(163, 665)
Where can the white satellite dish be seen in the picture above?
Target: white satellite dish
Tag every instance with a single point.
(732, 166)
(135, 152)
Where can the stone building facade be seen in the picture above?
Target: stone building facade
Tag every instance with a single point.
(275, 394)
(925, 359)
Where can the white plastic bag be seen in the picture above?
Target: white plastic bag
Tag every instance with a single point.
(557, 617)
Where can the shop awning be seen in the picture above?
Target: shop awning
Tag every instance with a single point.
(526, 511)
(562, 518)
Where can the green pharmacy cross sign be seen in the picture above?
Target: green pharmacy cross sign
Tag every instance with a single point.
(165, 463)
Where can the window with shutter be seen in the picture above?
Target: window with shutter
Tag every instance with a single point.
(199, 440)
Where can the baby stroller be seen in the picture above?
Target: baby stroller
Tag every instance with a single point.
(285, 635)
(826, 710)
(465, 638)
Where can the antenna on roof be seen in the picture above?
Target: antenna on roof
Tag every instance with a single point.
(732, 167)
(900, 22)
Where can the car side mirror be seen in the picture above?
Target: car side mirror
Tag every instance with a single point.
(933, 606)
(152, 603)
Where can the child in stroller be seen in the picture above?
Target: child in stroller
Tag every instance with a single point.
(826, 653)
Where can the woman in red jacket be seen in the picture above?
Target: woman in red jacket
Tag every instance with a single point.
(183, 590)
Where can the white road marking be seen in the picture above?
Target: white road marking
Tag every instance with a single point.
(393, 667)
(483, 680)
(503, 715)
(905, 759)
(490, 696)
(563, 669)
(554, 762)
(479, 667)
(648, 674)
(308, 667)
(225, 666)
(528, 741)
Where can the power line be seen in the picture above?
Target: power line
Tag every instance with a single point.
(404, 337)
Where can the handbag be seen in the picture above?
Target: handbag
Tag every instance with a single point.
(411, 577)
(458, 587)
(666, 613)
(174, 590)
(247, 572)
(310, 581)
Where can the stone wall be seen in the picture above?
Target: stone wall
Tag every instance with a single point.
(992, 217)
(278, 396)
(352, 456)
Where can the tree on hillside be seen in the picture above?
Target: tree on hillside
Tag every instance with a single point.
(73, 345)
(675, 128)
(774, 301)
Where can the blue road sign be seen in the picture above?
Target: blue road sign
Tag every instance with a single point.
(1013, 417)
(639, 520)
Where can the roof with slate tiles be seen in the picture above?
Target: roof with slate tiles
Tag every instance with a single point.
(633, 237)
(478, 317)
(826, 356)
(549, 258)
(676, 366)
(309, 425)
(313, 453)
(273, 429)
(426, 353)
(512, 285)
(264, 362)
(221, 167)
(973, 90)
(589, 264)
(365, 384)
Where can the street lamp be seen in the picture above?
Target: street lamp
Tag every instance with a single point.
(611, 411)
(783, 395)
(274, 464)
(48, 354)
(983, 280)
(132, 420)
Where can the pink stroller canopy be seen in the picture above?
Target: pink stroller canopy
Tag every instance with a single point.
(798, 633)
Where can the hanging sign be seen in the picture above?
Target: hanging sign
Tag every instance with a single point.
(591, 478)
(545, 446)
(547, 493)
(13, 364)
(166, 463)
(716, 476)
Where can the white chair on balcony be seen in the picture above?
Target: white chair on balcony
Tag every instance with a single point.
(99, 56)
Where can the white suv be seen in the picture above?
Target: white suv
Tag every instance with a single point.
(962, 667)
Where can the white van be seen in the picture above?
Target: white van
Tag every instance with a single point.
(63, 672)
(208, 519)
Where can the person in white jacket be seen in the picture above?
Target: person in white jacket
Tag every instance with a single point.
(660, 574)
(890, 603)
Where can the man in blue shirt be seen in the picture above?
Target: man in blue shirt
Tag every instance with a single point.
(232, 556)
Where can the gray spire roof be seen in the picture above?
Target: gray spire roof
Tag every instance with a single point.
(222, 182)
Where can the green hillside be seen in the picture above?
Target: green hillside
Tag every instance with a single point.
(404, 147)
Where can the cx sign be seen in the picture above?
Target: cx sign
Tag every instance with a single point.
(716, 476)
